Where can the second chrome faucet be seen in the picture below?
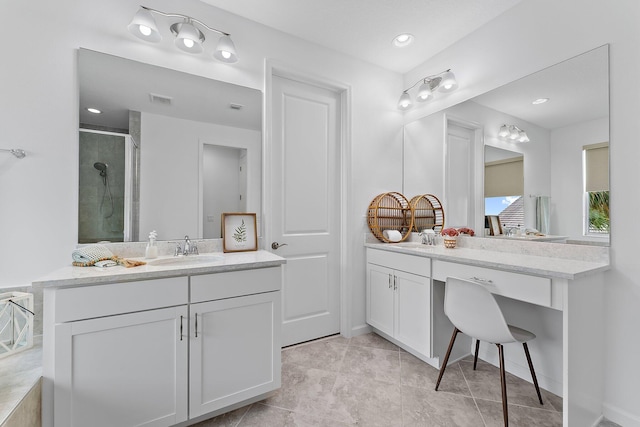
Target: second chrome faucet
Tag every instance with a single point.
(189, 248)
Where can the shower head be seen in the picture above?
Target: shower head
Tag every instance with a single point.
(102, 167)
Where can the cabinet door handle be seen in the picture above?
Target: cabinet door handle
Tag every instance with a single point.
(395, 283)
(389, 281)
(196, 325)
(181, 328)
(481, 280)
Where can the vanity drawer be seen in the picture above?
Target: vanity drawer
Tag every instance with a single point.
(117, 298)
(209, 287)
(523, 287)
(409, 263)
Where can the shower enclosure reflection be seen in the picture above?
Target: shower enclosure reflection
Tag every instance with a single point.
(104, 186)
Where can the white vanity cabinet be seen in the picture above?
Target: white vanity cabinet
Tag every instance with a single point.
(121, 369)
(235, 340)
(160, 352)
(399, 299)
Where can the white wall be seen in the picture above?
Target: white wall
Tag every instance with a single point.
(38, 218)
(539, 33)
(170, 172)
(567, 172)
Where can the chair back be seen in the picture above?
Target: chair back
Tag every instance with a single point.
(474, 311)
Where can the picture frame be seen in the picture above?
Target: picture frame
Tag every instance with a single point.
(239, 232)
(495, 229)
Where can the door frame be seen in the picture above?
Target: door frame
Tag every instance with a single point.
(277, 68)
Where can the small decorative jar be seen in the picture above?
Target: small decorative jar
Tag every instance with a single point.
(450, 237)
(450, 241)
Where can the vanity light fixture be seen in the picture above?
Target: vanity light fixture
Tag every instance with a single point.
(189, 35)
(512, 133)
(442, 82)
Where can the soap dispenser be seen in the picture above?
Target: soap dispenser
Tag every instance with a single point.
(152, 249)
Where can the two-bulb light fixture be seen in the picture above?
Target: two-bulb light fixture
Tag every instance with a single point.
(189, 36)
(442, 82)
(512, 133)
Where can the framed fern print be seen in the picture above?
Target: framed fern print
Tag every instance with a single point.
(239, 232)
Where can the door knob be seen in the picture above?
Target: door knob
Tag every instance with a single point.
(276, 245)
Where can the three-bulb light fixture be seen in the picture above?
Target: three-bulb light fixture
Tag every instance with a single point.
(512, 133)
(442, 82)
(189, 36)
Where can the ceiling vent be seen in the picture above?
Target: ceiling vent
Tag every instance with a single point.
(160, 99)
(236, 106)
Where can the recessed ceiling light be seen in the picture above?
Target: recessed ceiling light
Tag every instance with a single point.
(402, 40)
(94, 110)
(540, 101)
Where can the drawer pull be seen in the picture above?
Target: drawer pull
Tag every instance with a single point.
(196, 328)
(181, 328)
(481, 280)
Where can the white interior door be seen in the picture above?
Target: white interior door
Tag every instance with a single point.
(459, 189)
(305, 191)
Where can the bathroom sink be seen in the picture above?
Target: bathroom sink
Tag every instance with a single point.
(413, 245)
(186, 260)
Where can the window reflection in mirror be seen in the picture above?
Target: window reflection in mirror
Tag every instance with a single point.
(504, 186)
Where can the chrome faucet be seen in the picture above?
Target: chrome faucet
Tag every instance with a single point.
(190, 248)
(428, 237)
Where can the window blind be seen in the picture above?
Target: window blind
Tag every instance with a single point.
(596, 167)
(504, 178)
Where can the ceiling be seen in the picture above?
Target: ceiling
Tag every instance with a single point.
(116, 85)
(578, 91)
(365, 29)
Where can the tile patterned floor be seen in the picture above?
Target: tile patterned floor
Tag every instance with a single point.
(369, 382)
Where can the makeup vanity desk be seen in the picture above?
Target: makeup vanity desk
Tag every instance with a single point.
(554, 290)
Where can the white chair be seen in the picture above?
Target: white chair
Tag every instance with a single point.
(474, 311)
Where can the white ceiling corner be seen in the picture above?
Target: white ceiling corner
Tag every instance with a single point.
(365, 29)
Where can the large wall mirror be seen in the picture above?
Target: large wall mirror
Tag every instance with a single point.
(169, 151)
(564, 110)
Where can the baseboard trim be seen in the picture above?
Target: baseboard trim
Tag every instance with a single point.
(620, 416)
(360, 330)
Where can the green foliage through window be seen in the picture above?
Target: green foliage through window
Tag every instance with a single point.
(599, 212)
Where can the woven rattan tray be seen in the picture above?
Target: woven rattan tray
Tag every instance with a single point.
(390, 211)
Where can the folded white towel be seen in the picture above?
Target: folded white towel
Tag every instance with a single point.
(392, 235)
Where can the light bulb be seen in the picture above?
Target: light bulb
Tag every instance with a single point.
(514, 134)
(146, 31)
(504, 131)
(188, 43)
(424, 92)
(448, 82)
(225, 54)
(405, 101)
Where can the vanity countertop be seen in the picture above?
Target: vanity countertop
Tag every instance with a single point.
(70, 276)
(551, 260)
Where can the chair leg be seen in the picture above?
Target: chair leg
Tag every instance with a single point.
(533, 373)
(475, 357)
(446, 357)
(503, 383)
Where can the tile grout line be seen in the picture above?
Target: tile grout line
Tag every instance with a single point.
(475, 402)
